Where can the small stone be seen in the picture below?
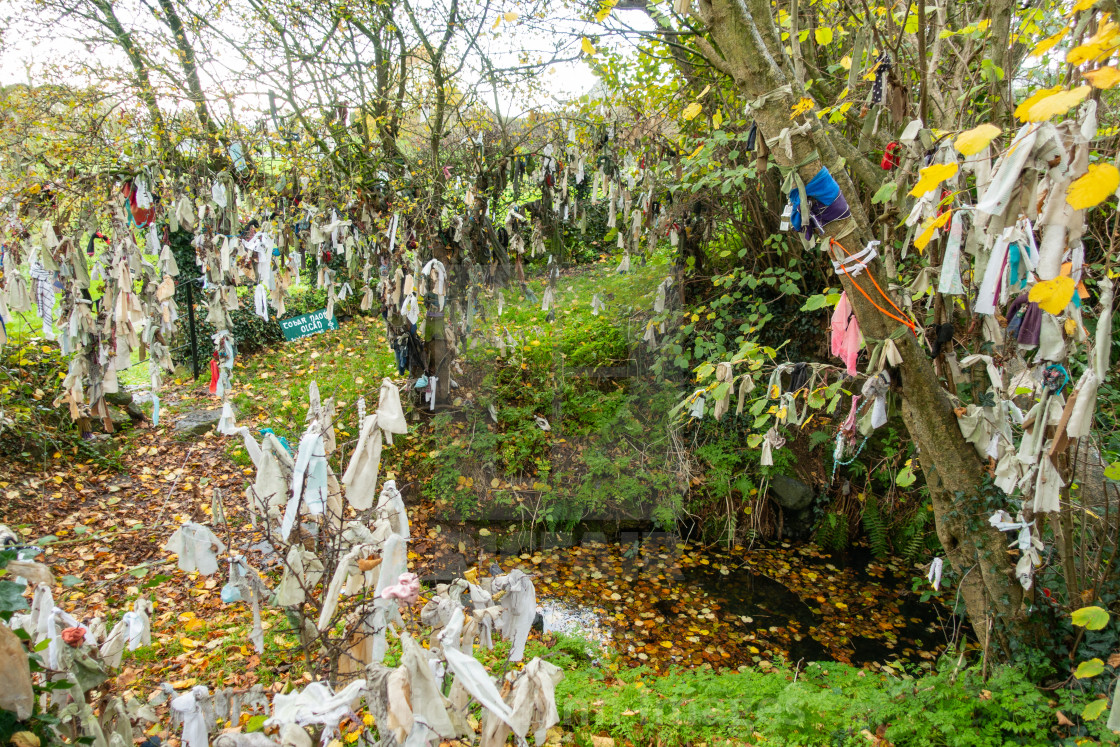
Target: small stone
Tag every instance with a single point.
(790, 493)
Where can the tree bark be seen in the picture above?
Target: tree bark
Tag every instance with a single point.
(1003, 52)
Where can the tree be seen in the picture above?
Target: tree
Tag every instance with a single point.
(760, 52)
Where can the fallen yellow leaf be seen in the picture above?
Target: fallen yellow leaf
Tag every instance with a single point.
(1023, 108)
(927, 232)
(802, 106)
(1049, 42)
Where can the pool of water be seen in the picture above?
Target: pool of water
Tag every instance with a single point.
(659, 601)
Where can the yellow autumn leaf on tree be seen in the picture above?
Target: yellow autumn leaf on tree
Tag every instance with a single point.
(587, 47)
(691, 111)
(1049, 42)
(696, 152)
(1022, 109)
(932, 176)
(1105, 77)
(1083, 53)
(801, 107)
(1058, 104)
(846, 62)
(605, 10)
(932, 225)
(971, 142)
(1097, 46)
(717, 119)
(1080, 6)
(510, 17)
(1052, 296)
(823, 35)
(1094, 187)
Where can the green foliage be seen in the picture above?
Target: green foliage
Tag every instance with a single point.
(597, 343)
(876, 528)
(832, 532)
(593, 411)
(184, 252)
(826, 704)
(914, 535)
(31, 427)
(444, 479)
(523, 442)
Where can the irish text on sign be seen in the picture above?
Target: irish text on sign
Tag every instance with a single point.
(307, 324)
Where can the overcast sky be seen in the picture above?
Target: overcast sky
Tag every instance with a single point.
(26, 55)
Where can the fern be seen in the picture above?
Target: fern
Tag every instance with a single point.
(816, 438)
(832, 533)
(914, 535)
(876, 528)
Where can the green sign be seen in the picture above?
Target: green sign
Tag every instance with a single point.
(307, 324)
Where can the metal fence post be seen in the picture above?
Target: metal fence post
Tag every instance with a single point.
(194, 338)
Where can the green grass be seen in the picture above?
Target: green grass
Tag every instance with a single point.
(627, 299)
(271, 387)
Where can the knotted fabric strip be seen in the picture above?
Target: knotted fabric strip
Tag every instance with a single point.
(854, 264)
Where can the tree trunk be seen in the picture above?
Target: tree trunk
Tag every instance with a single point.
(1003, 53)
(954, 473)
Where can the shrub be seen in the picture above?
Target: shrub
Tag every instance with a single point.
(31, 427)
